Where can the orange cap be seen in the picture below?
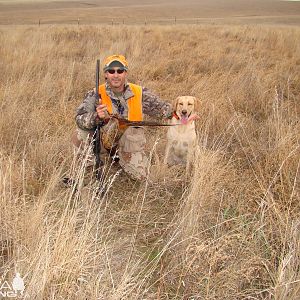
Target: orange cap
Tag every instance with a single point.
(120, 58)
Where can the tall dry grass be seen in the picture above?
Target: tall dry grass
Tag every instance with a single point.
(232, 232)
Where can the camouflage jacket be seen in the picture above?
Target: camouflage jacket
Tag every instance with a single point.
(86, 115)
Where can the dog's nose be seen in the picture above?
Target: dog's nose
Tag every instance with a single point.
(184, 112)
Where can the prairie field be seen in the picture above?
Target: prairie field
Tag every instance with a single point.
(231, 231)
(154, 12)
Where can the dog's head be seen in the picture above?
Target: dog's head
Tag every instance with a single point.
(184, 107)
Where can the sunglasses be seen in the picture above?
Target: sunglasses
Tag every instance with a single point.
(119, 71)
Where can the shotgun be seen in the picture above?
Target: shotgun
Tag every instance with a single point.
(96, 139)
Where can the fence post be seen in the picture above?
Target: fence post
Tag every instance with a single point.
(112, 22)
(175, 20)
(78, 21)
(39, 22)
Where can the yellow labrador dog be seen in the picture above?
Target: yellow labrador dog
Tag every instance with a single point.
(181, 139)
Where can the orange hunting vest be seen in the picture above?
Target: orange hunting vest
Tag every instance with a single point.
(135, 109)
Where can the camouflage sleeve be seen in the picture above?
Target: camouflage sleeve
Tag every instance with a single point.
(154, 106)
(86, 115)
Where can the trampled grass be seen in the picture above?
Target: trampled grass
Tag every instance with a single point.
(231, 232)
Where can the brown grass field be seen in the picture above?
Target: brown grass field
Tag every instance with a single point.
(150, 11)
(231, 232)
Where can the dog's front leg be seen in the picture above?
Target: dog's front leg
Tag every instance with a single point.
(190, 158)
(188, 165)
(167, 153)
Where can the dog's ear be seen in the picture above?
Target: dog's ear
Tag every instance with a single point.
(197, 104)
(175, 103)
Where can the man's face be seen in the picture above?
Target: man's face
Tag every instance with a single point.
(116, 78)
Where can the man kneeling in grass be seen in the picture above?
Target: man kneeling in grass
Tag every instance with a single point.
(124, 99)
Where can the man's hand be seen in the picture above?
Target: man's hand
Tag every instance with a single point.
(102, 111)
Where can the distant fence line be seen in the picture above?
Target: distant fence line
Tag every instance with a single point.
(233, 20)
(171, 21)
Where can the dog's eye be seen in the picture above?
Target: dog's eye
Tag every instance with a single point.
(180, 103)
(190, 104)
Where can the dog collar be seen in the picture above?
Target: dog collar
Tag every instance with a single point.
(176, 116)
